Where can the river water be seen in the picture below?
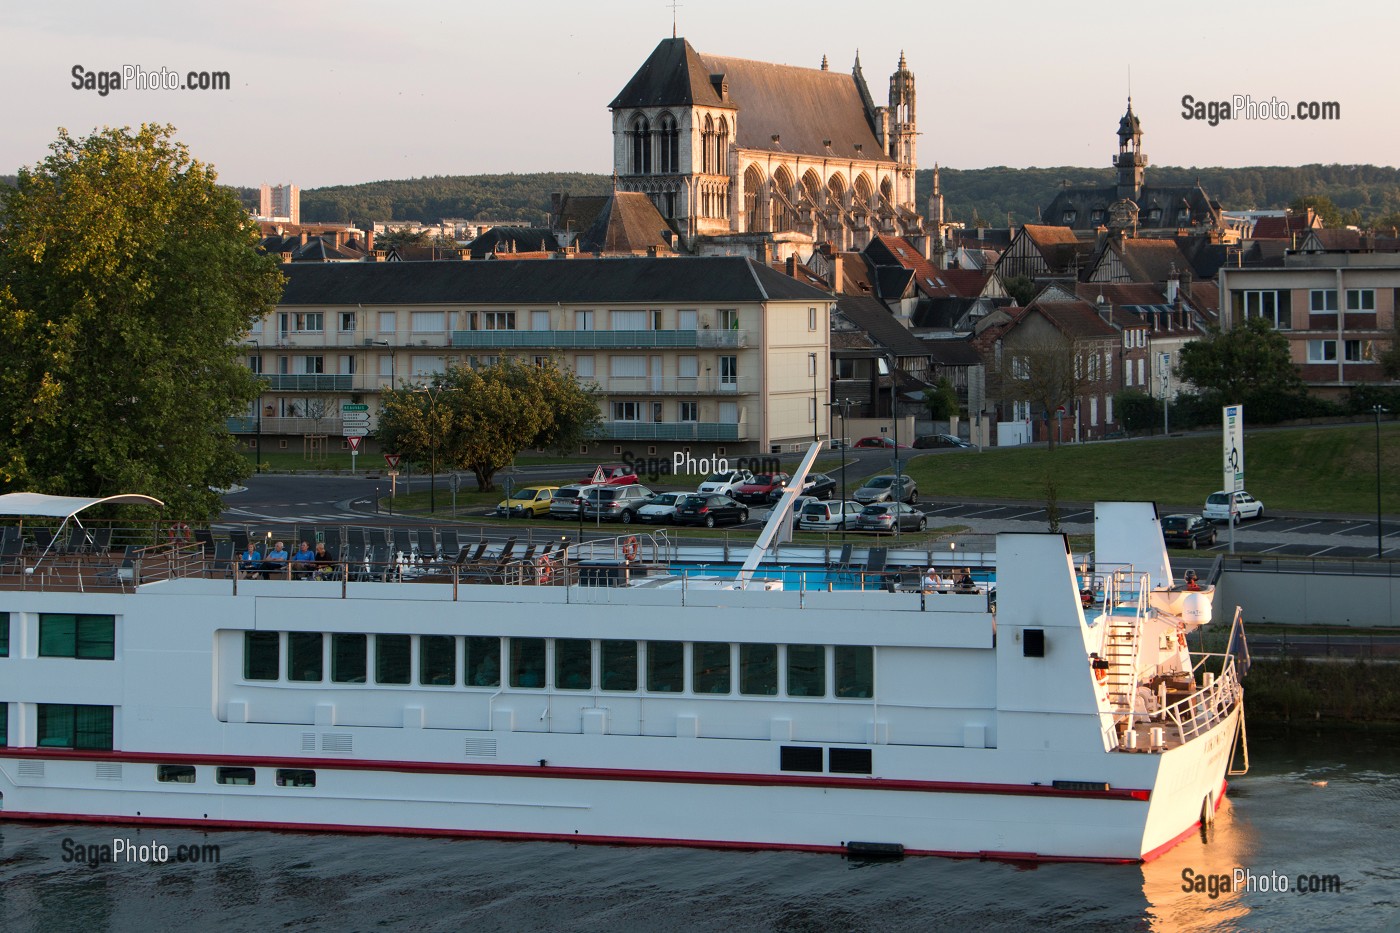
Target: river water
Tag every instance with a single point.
(1280, 820)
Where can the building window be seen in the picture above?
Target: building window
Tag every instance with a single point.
(806, 671)
(296, 777)
(431, 322)
(76, 636)
(583, 367)
(498, 320)
(1322, 351)
(483, 664)
(1096, 216)
(710, 660)
(627, 411)
(244, 777)
(728, 372)
(65, 726)
(1322, 301)
(313, 365)
(855, 671)
(260, 656)
(1272, 306)
(640, 145)
(255, 364)
(688, 411)
(437, 660)
(1069, 217)
(758, 670)
(4, 725)
(1362, 300)
(5, 636)
(539, 320)
(527, 663)
(1357, 351)
(573, 663)
(388, 322)
(391, 658)
(347, 322)
(630, 320)
(349, 658)
(583, 320)
(175, 774)
(305, 663)
(687, 319)
(811, 318)
(312, 322)
(728, 318)
(670, 145)
(1141, 372)
(618, 669)
(665, 666)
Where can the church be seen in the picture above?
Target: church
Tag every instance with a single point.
(752, 158)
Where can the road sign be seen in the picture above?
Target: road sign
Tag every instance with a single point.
(392, 460)
(1233, 420)
(348, 407)
(354, 443)
(355, 417)
(349, 431)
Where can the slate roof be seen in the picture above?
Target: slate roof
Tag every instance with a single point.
(578, 211)
(957, 352)
(875, 318)
(628, 223)
(1149, 260)
(513, 239)
(1202, 209)
(1077, 320)
(528, 282)
(803, 107)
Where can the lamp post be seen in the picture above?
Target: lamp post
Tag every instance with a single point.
(894, 416)
(1380, 546)
(815, 421)
(845, 413)
(258, 405)
(432, 393)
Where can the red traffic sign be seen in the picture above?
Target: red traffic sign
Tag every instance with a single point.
(392, 460)
(598, 476)
(354, 443)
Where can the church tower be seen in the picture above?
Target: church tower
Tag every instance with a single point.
(903, 134)
(1131, 161)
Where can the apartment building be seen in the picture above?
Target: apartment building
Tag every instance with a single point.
(716, 355)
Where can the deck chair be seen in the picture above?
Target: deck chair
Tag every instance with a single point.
(306, 533)
(403, 542)
(467, 558)
(77, 540)
(449, 548)
(381, 563)
(376, 537)
(239, 537)
(102, 540)
(331, 536)
(205, 538)
(10, 549)
(427, 544)
(355, 535)
(842, 562)
(123, 573)
(222, 566)
(43, 540)
(874, 567)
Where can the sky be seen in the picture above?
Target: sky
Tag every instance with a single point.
(339, 93)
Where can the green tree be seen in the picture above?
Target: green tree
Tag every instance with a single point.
(480, 419)
(1240, 362)
(1021, 288)
(941, 400)
(1137, 410)
(1329, 212)
(128, 276)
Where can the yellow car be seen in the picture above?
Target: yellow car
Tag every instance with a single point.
(527, 502)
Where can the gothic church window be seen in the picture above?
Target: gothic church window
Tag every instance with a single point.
(670, 148)
(707, 147)
(641, 145)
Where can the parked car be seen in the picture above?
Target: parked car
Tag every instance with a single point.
(615, 503)
(527, 502)
(878, 441)
(829, 516)
(660, 509)
(1187, 531)
(762, 485)
(710, 510)
(726, 482)
(1218, 507)
(818, 486)
(885, 488)
(882, 517)
(611, 474)
(930, 441)
(566, 500)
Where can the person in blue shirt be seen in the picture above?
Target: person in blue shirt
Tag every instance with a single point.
(250, 561)
(304, 560)
(276, 561)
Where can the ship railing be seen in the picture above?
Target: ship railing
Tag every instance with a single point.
(1207, 707)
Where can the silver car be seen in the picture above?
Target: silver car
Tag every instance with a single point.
(828, 516)
(615, 503)
(886, 488)
(882, 517)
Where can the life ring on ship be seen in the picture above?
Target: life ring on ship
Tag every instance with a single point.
(1181, 638)
(1101, 674)
(1099, 666)
(630, 549)
(544, 568)
(179, 533)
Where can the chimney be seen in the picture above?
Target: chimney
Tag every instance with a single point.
(836, 269)
(1104, 308)
(369, 239)
(792, 260)
(1173, 286)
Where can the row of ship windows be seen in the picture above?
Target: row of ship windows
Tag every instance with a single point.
(64, 725)
(247, 777)
(562, 663)
(65, 635)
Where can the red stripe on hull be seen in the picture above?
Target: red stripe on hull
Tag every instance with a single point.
(588, 774)
(529, 837)
(1167, 846)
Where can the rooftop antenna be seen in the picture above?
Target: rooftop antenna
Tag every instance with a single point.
(674, 5)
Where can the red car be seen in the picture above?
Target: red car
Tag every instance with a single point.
(611, 474)
(879, 441)
(763, 485)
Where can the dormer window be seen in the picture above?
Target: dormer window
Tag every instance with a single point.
(1070, 216)
(1154, 215)
(1183, 216)
(1096, 216)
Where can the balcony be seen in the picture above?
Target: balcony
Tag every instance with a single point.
(308, 382)
(598, 339)
(674, 431)
(248, 424)
(673, 385)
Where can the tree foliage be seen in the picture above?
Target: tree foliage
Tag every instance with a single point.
(1241, 361)
(480, 419)
(941, 400)
(1047, 373)
(128, 276)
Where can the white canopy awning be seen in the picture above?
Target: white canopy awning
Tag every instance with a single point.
(34, 504)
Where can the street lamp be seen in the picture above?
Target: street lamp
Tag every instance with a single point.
(257, 444)
(894, 416)
(815, 421)
(432, 393)
(1380, 547)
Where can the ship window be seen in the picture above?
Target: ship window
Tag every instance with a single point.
(849, 761)
(4, 725)
(304, 661)
(806, 670)
(758, 670)
(437, 660)
(260, 661)
(619, 665)
(175, 774)
(665, 666)
(527, 664)
(573, 663)
(348, 658)
(391, 658)
(5, 636)
(711, 666)
(855, 671)
(800, 758)
(245, 776)
(483, 667)
(296, 777)
(64, 726)
(77, 636)
(1033, 643)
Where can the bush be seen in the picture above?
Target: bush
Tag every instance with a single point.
(1137, 411)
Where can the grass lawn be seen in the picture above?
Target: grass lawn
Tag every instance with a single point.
(1305, 469)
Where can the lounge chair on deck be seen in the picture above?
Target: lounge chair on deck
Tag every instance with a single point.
(448, 549)
(222, 565)
(843, 562)
(427, 545)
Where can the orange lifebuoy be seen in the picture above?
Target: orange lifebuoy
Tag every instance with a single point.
(544, 568)
(1101, 674)
(1181, 638)
(630, 549)
(179, 533)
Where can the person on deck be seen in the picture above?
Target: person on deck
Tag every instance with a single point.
(276, 561)
(303, 561)
(250, 561)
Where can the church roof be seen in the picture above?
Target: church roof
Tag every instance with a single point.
(803, 107)
(1090, 207)
(628, 223)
